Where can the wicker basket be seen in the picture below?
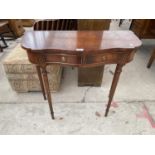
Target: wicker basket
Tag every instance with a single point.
(22, 74)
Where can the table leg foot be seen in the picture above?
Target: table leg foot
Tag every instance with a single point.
(52, 115)
(106, 113)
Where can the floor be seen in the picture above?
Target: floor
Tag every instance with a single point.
(80, 110)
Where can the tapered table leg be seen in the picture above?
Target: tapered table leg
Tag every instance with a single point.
(151, 59)
(47, 89)
(1, 49)
(113, 86)
(41, 81)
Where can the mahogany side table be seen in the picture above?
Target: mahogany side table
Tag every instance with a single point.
(79, 49)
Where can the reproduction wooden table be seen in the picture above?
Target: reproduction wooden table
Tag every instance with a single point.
(79, 49)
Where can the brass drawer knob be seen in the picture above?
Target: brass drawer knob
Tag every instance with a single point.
(63, 59)
(103, 58)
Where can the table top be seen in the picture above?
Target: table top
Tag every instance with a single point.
(79, 41)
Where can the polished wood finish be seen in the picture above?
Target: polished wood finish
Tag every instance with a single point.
(80, 49)
(79, 42)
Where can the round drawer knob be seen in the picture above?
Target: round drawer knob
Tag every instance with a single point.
(103, 58)
(63, 59)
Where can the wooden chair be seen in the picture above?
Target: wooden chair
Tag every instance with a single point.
(57, 24)
(151, 59)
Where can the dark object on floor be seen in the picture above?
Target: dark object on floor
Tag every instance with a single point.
(90, 76)
(151, 59)
(97, 114)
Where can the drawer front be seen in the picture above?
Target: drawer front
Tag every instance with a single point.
(103, 58)
(64, 59)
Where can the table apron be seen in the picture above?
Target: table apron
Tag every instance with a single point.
(80, 60)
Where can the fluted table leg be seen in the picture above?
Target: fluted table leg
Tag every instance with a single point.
(41, 81)
(113, 86)
(47, 89)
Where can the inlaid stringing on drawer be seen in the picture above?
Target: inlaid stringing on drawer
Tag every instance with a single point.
(66, 59)
(105, 58)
